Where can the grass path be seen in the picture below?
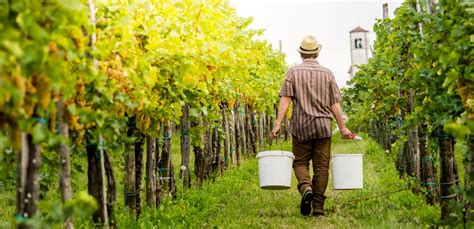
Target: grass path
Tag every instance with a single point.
(253, 207)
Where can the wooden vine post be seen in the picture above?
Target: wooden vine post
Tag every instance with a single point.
(99, 169)
(227, 141)
(238, 149)
(96, 183)
(412, 146)
(133, 168)
(157, 174)
(129, 175)
(427, 167)
(65, 176)
(207, 153)
(243, 132)
(232, 135)
(198, 152)
(374, 132)
(449, 180)
(247, 128)
(215, 162)
(185, 147)
(165, 165)
(138, 171)
(28, 187)
(261, 127)
(428, 170)
(251, 129)
(151, 178)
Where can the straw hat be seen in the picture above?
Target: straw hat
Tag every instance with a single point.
(309, 45)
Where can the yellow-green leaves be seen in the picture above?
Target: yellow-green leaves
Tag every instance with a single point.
(13, 47)
(191, 47)
(150, 58)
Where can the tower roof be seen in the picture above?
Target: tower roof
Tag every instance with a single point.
(359, 29)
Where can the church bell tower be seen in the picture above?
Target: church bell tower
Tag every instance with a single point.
(359, 49)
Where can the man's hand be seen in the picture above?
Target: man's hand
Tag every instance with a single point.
(284, 103)
(345, 133)
(337, 112)
(275, 131)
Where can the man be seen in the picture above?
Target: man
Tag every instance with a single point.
(316, 97)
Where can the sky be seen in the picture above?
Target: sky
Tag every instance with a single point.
(328, 20)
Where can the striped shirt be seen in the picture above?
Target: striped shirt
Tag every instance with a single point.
(313, 90)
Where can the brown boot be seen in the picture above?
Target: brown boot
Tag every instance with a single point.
(318, 213)
(318, 205)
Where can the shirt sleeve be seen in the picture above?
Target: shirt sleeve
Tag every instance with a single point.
(287, 88)
(334, 93)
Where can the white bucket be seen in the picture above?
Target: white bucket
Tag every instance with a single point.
(275, 169)
(347, 172)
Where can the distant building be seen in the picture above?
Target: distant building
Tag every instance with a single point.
(359, 49)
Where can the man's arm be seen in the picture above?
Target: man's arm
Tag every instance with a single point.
(282, 108)
(337, 112)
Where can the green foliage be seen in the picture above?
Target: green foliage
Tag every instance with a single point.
(426, 54)
(55, 214)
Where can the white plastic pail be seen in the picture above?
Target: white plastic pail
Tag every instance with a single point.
(275, 169)
(347, 171)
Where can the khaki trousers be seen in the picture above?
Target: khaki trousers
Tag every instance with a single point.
(319, 152)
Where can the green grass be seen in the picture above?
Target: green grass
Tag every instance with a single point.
(253, 207)
(235, 199)
(7, 204)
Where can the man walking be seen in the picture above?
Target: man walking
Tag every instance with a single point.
(316, 98)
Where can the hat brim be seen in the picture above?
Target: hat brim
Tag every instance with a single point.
(310, 51)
